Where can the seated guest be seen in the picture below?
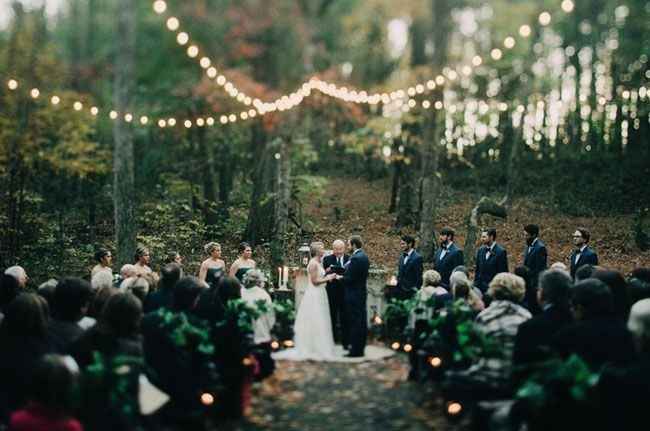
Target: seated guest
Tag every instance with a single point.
(432, 288)
(104, 260)
(463, 269)
(162, 298)
(491, 375)
(9, 289)
(636, 291)
(71, 300)
(99, 301)
(584, 272)
(23, 337)
(461, 288)
(583, 254)
(127, 271)
(596, 321)
(46, 290)
(535, 336)
(253, 293)
(175, 362)
(642, 274)
(560, 266)
(448, 256)
(116, 332)
(18, 272)
(51, 398)
(625, 391)
(617, 284)
(138, 285)
(530, 298)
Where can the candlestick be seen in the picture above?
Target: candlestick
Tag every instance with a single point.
(280, 277)
(285, 276)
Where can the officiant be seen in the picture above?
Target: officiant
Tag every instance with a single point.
(335, 263)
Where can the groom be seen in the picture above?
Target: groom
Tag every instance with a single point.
(354, 280)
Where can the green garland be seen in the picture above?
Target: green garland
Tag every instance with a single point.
(185, 334)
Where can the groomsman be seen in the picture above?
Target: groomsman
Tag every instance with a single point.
(335, 263)
(491, 259)
(448, 256)
(583, 254)
(410, 268)
(535, 256)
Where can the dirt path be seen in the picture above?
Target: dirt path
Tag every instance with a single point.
(326, 396)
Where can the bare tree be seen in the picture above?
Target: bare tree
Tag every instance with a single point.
(123, 171)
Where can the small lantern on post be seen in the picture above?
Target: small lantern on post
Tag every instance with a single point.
(304, 252)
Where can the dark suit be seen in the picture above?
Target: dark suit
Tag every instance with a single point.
(355, 280)
(535, 259)
(409, 275)
(487, 268)
(336, 297)
(452, 258)
(587, 257)
(535, 337)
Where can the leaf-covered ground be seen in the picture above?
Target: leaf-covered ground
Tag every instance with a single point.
(364, 206)
(333, 396)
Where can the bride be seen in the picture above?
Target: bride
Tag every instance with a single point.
(313, 326)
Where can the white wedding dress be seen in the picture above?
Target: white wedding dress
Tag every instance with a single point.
(313, 326)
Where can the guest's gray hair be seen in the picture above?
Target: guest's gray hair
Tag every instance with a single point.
(338, 242)
(16, 272)
(458, 277)
(128, 270)
(137, 285)
(254, 277)
(101, 279)
(639, 321)
(509, 287)
(431, 277)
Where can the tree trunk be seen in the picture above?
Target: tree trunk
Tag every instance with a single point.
(431, 180)
(397, 172)
(282, 201)
(210, 214)
(484, 206)
(407, 204)
(260, 215)
(123, 171)
(513, 164)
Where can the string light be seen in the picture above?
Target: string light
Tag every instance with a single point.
(173, 24)
(192, 51)
(77, 106)
(171, 122)
(12, 84)
(94, 111)
(182, 38)
(159, 6)
(207, 399)
(187, 124)
(525, 30)
(205, 62)
(128, 118)
(112, 115)
(55, 100)
(144, 120)
(567, 6)
(509, 42)
(496, 54)
(162, 123)
(35, 92)
(544, 18)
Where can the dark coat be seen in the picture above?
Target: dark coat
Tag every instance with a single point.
(356, 272)
(161, 298)
(587, 257)
(598, 341)
(535, 259)
(534, 339)
(330, 263)
(486, 269)
(453, 258)
(62, 334)
(409, 275)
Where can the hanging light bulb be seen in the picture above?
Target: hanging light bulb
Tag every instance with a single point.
(182, 38)
(205, 62)
(112, 115)
(94, 111)
(12, 84)
(77, 106)
(159, 6)
(128, 118)
(35, 92)
(171, 122)
(200, 122)
(509, 42)
(525, 30)
(173, 23)
(568, 6)
(162, 123)
(209, 121)
(544, 18)
(192, 51)
(187, 124)
(144, 120)
(496, 54)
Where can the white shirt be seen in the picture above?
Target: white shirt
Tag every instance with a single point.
(532, 244)
(489, 250)
(444, 251)
(406, 259)
(263, 324)
(579, 253)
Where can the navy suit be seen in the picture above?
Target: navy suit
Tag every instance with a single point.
(409, 275)
(535, 259)
(587, 257)
(487, 268)
(453, 258)
(355, 280)
(336, 297)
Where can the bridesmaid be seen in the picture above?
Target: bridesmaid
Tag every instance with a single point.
(213, 265)
(244, 263)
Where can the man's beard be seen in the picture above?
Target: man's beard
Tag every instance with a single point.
(529, 241)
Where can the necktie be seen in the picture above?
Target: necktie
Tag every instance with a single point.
(341, 261)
